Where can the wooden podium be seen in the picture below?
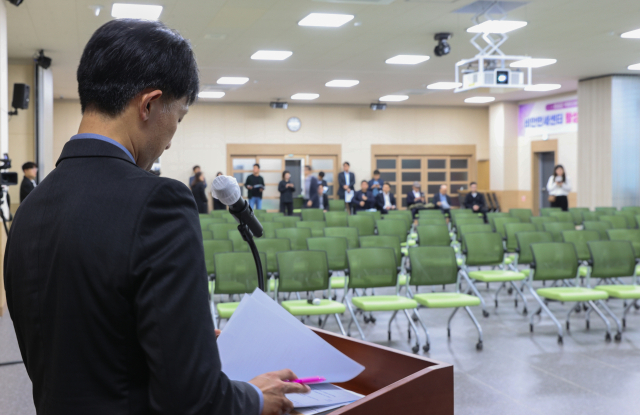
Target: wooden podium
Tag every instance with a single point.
(394, 382)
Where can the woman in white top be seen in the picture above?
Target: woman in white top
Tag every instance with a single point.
(559, 187)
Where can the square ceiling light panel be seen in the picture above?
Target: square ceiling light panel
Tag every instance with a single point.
(233, 80)
(394, 98)
(135, 11)
(542, 87)
(497, 26)
(325, 20)
(305, 96)
(342, 83)
(271, 55)
(444, 85)
(479, 100)
(210, 94)
(407, 59)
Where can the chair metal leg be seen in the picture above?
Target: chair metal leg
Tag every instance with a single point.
(415, 330)
(473, 318)
(618, 335)
(595, 308)
(353, 320)
(626, 310)
(427, 345)
(520, 294)
(390, 321)
(339, 323)
(323, 321)
(567, 324)
(544, 307)
(473, 288)
(498, 292)
(455, 310)
(587, 317)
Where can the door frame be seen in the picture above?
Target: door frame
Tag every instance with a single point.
(537, 147)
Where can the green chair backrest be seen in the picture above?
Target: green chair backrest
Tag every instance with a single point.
(540, 220)
(589, 216)
(395, 227)
(269, 229)
(556, 229)
(297, 236)
(383, 241)
(269, 216)
(428, 213)
(525, 239)
(336, 205)
(523, 214)
(204, 223)
(365, 224)
(302, 271)
(207, 235)
(616, 221)
(562, 216)
(336, 249)
(204, 216)
(229, 218)
(236, 272)
(462, 212)
(600, 226)
(221, 230)
(547, 211)
(483, 249)
(629, 215)
(579, 240)
(317, 227)
(433, 235)
(554, 261)
(218, 213)
(467, 220)
(472, 228)
(344, 232)
(606, 210)
(500, 222)
(634, 209)
(212, 247)
(239, 244)
(287, 221)
(372, 267)
(336, 218)
(270, 247)
(577, 214)
(406, 215)
(511, 229)
(631, 235)
(376, 214)
(312, 214)
(260, 212)
(493, 215)
(611, 259)
(433, 265)
(432, 220)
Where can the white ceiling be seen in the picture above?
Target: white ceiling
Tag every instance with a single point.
(583, 35)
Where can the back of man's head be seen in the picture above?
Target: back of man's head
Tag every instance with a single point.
(28, 166)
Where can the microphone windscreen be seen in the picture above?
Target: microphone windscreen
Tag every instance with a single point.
(226, 189)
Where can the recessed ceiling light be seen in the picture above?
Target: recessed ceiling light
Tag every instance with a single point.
(533, 63)
(233, 80)
(304, 96)
(634, 34)
(634, 67)
(342, 83)
(496, 26)
(271, 55)
(542, 87)
(135, 11)
(394, 98)
(210, 94)
(444, 85)
(479, 100)
(325, 20)
(407, 59)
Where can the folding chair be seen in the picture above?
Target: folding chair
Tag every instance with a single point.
(205, 222)
(218, 213)
(375, 214)
(589, 216)
(498, 224)
(297, 236)
(365, 224)
(388, 241)
(577, 214)
(395, 227)
(606, 210)
(432, 220)
(336, 219)
(579, 240)
(287, 221)
(212, 247)
(525, 256)
(547, 211)
(317, 227)
(472, 228)
(344, 232)
(630, 216)
(312, 215)
(616, 221)
(600, 226)
(221, 230)
(336, 249)
(404, 214)
(336, 205)
(207, 235)
(511, 229)
(239, 244)
(433, 235)
(523, 214)
(491, 216)
(539, 221)
(270, 247)
(565, 217)
(269, 229)
(556, 229)
(631, 235)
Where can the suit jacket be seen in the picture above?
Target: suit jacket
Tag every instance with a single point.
(357, 198)
(109, 302)
(438, 197)
(342, 181)
(200, 196)
(469, 201)
(313, 193)
(25, 188)
(325, 201)
(411, 199)
(380, 201)
(286, 193)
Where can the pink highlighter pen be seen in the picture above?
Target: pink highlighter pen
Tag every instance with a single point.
(307, 381)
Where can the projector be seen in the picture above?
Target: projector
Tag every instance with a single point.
(497, 78)
(279, 105)
(377, 106)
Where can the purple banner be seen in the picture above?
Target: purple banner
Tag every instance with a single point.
(573, 103)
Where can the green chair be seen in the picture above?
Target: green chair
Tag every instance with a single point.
(600, 226)
(336, 205)
(297, 236)
(306, 271)
(433, 235)
(218, 213)
(511, 229)
(404, 214)
(634, 209)
(606, 210)
(204, 216)
(472, 228)
(611, 260)
(230, 219)
(525, 256)
(239, 244)
(431, 213)
(270, 247)
(556, 229)
(269, 229)
(486, 249)
(207, 235)
(336, 249)
(287, 221)
(432, 220)
(312, 214)
(212, 247)
(375, 214)
(221, 230)
(385, 241)
(436, 265)
(466, 220)
(491, 216)
(317, 227)
(562, 216)
(204, 223)
(344, 232)
(577, 214)
(265, 218)
(269, 216)
(616, 221)
(365, 224)
(373, 268)
(558, 261)
(630, 216)
(631, 235)
(540, 220)
(394, 227)
(336, 219)
(498, 224)
(579, 240)
(547, 211)
(589, 216)
(523, 214)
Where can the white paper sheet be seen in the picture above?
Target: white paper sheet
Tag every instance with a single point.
(313, 410)
(322, 394)
(263, 337)
(348, 196)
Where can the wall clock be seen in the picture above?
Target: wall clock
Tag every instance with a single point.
(294, 124)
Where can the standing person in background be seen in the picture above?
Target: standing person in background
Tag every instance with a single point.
(559, 187)
(475, 201)
(310, 189)
(346, 180)
(363, 199)
(255, 187)
(375, 184)
(196, 170)
(286, 189)
(321, 179)
(386, 201)
(415, 196)
(30, 171)
(197, 188)
(442, 200)
(218, 205)
(323, 199)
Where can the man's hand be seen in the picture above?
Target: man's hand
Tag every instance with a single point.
(439, 203)
(273, 389)
(361, 203)
(261, 189)
(364, 198)
(309, 203)
(249, 187)
(217, 332)
(345, 187)
(476, 207)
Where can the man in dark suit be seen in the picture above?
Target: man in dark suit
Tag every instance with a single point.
(30, 171)
(415, 196)
(310, 189)
(386, 201)
(363, 199)
(321, 200)
(346, 180)
(109, 299)
(442, 199)
(475, 201)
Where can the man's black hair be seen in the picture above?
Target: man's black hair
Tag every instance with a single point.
(321, 174)
(472, 183)
(28, 165)
(308, 167)
(195, 167)
(376, 172)
(256, 165)
(364, 181)
(347, 163)
(126, 56)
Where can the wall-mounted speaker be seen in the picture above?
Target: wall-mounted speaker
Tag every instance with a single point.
(20, 96)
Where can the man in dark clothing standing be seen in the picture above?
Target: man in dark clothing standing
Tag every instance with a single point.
(475, 201)
(30, 171)
(346, 180)
(310, 189)
(255, 187)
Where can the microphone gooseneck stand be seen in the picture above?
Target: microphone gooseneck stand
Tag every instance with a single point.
(248, 236)
(248, 226)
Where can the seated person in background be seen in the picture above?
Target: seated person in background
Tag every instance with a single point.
(321, 179)
(385, 201)
(310, 189)
(217, 204)
(375, 184)
(415, 196)
(442, 200)
(475, 201)
(323, 199)
(363, 199)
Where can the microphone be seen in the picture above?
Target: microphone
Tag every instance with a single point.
(227, 191)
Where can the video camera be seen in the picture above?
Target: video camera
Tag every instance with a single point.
(8, 178)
